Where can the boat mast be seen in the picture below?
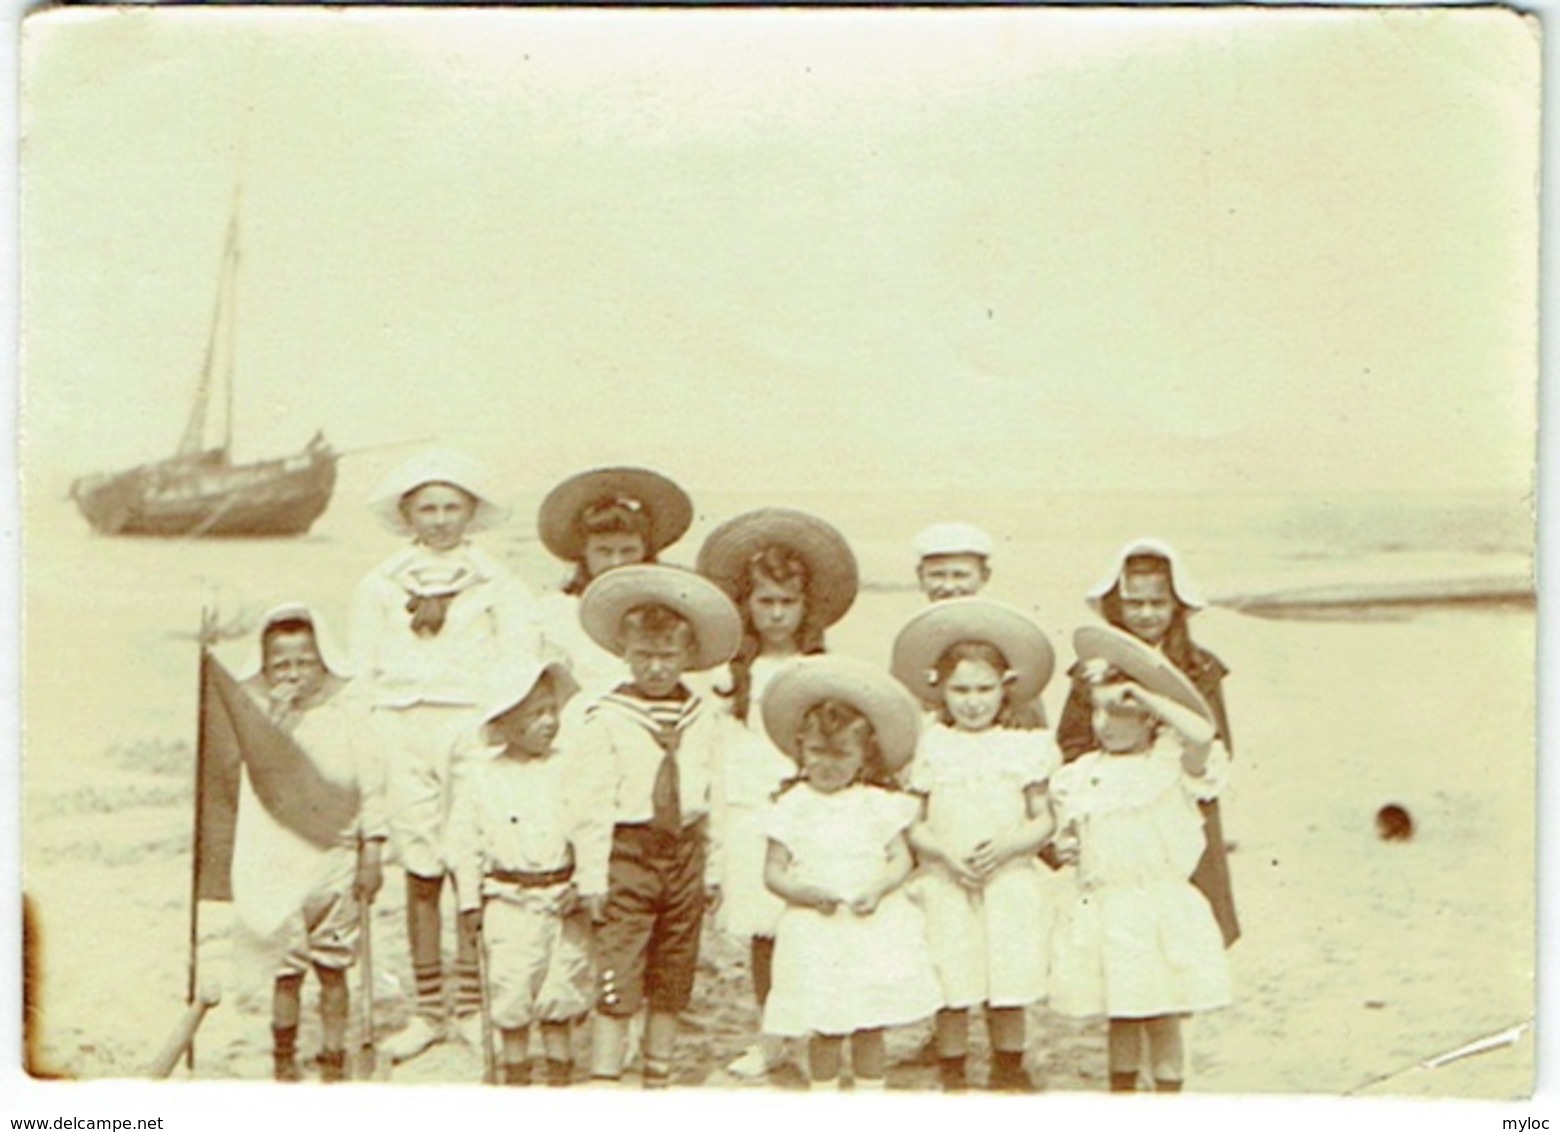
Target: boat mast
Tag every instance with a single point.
(193, 443)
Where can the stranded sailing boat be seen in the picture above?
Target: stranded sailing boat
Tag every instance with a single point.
(200, 491)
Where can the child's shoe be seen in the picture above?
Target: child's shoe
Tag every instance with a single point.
(1124, 1082)
(1007, 1073)
(759, 1059)
(284, 1053)
(559, 1073)
(517, 1072)
(657, 1073)
(1164, 1085)
(468, 1028)
(419, 1035)
(333, 1065)
(951, 1074)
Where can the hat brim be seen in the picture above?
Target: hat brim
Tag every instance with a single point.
(833, 579)
(892, 711)
(717, 627)
(437, 466)
(1146, 666)
(524, 681)
(922, 642)
(669, 510)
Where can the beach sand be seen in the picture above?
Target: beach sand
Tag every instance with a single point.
(1361, 958)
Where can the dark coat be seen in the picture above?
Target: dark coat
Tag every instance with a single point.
(1075, 736)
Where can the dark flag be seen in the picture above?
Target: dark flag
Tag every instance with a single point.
(234, 731)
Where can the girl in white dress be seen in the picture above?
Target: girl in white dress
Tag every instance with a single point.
(985, 815)
(850, 949)
(791, 576)
(1139, 943)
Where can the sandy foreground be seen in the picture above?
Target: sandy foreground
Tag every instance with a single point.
(1361, 959)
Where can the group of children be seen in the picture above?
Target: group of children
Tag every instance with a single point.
(600, 771)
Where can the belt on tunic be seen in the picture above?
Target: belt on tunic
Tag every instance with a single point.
(533, 880)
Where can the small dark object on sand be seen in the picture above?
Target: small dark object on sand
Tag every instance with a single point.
(1393, 823)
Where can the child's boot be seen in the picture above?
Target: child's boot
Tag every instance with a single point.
(284, 1053)
(559, 1073)
(951, 1074)
(468, 1002)
(1007, 1072)
(426, 1027)
(657, 1073)
(333, 1065)
(517, 1072)
(1123, 1081)
(1163, 1085)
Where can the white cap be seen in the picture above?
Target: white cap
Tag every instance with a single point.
(952, 538)
(1180, 586)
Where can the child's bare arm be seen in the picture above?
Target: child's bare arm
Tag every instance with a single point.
(1195, 733)
(1021, 840)
(896, 869)
(778, 879)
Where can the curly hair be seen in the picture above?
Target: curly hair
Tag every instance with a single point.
(781, 566)
(608, 517)
(980, 652)
(837, 724)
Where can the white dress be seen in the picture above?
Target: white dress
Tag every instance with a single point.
(989, 945)
(840, 972)
(1137, 940)
(754, 770)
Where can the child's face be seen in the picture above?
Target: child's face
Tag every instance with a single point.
(1121, 727)
(531, 725)
(776, 611)
(657, 661)
(438, 514)
(973, 695)
(611, 549)
(292, 666)
(952, 575)
(1147, 606)
(831, 765)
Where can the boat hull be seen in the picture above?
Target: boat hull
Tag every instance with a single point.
(211, 499)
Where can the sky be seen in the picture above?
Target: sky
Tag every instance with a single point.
(1188, 249)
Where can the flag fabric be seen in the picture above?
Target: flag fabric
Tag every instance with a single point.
(235, 734)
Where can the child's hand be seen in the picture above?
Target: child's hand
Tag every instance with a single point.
(811, 896)
(370, 873)
(1065, 844)
(597, 907)
(471, 922)
(867, 903)
(711, 898)
(569, 901)
(985, 858)
(964, 872)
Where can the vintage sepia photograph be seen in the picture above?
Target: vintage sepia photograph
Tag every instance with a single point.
(780, 551)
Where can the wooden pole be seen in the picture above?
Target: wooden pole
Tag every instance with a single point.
(206, 620)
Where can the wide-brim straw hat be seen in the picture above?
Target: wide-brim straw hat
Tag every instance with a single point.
(930, 633)
(520, 680)
(717, 626)
(796, 688)
(666, 506)
(437, 465)
(1143, 664)
(831, 567)
(1180, 586)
